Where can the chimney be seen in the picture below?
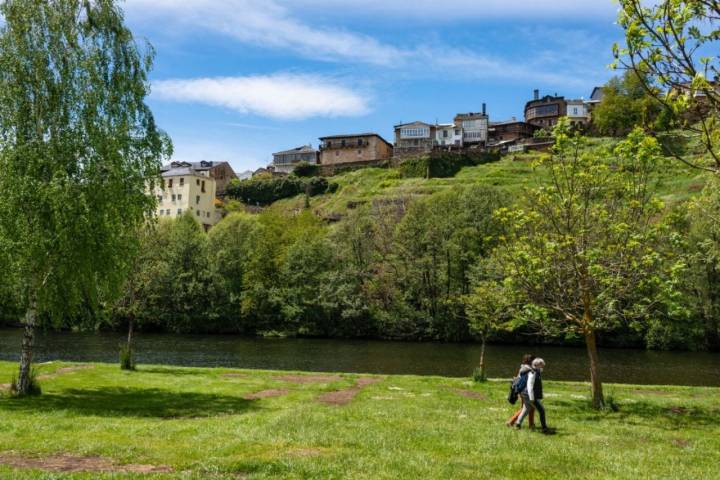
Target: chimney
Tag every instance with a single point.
(536, 94)
(484, 109)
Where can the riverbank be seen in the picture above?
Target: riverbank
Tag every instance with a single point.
(168, 422)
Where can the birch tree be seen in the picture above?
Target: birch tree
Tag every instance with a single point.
(79, 148)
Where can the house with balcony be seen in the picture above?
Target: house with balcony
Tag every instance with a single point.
(474, 127)
(286, 161)
(416, 138)
(546, 111)
(448, 136)
(351, 150)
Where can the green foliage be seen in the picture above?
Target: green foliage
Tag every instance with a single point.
(33, 390)
(305, 169)
(672, 47)
(267, 190)
(127, 357)
(479, 375)
(442, 165)
(626, 105)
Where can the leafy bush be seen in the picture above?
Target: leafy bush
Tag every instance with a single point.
(444, 165)
(305, 169)
(127, 358)
(264, 191)
(33, 390)
(479, 375)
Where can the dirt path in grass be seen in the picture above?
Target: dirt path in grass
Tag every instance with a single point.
(346, 395)
(280, 392)
(55, 374)
(73, 464)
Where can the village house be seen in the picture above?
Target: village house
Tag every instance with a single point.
(286, 161)
(546, 111)
(474, 127)
(414, 138)
(363, 149)
(187, 188)
(448, 135)
(577, 113)
(510, 131)
(222, 172)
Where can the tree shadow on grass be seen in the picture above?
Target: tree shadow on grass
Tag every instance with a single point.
(645, 413)
(132, 402)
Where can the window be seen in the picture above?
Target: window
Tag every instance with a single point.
(197, 200)
(208, 214)
(170, 183)
(197, 182)
(342, 143)
(457, 131)
(198, 213)
(174, 197)
(445, 134)
(179, 211)
(179, 197)
(202, 189)
(360, 142)
(182, 181)
(160, 197)
(420, 132)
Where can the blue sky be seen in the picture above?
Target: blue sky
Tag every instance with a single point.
(236, 80)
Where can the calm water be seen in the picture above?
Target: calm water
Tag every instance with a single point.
(355, 356)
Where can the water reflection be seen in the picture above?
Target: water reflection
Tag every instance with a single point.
(359, 356)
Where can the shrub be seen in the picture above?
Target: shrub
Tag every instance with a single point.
(479, 375)
(34, 389)
(264, 191)
(305, 169)
(127, 357)
(444, 165)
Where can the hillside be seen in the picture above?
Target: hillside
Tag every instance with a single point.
(677, 182)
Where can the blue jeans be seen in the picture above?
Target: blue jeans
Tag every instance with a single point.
(534, 405)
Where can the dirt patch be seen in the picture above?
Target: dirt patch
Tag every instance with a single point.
(308, 378)
(678, 410)
(70, 463)
(266, 394)
(470, 394)
(681, 442)
(364, 381)
(346, 395)
(339, 397)
(305, 452)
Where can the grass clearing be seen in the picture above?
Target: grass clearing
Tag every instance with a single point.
(169, 422)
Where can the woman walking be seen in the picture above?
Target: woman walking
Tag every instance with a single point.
(525, 368)
(533, 394)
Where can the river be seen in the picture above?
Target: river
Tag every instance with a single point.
(362, 356)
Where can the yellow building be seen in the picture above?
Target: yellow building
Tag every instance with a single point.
(188, 189)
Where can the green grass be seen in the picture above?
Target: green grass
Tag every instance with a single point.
(197, 422)
(677, 182)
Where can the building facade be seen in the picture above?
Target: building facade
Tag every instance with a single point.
(546, 111)
(354, 149)
(578, 113)
(510, 130)
(474, 127)
(222, 172)
(286, 161)
(414, 138)
(448, 135)
(188, 189)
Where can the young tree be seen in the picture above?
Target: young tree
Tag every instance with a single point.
(78, 149)
(581, 249)
(625, 105)
(672, 46)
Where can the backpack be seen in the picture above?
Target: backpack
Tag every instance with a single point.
(512, 395)
(520, 382)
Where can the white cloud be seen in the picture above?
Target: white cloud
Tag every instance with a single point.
(282, 96)
(464, 9)
(265, 23)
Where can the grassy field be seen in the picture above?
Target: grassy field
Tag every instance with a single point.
(219, 423)
(676, 182)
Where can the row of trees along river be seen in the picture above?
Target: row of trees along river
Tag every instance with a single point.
(592, 255)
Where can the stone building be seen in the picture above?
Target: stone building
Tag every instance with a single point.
(546, 111)
(285, 162)
(414, 138)
(363, 149)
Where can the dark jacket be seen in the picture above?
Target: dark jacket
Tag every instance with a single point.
(535, 383)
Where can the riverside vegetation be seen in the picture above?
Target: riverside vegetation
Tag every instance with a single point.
(162, 422)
